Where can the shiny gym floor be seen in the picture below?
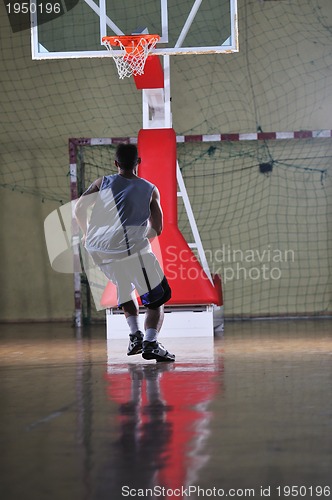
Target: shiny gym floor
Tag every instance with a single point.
(246, 415)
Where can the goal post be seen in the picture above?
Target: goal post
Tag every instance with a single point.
(262, 207)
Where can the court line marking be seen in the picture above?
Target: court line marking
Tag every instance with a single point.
(48, 418)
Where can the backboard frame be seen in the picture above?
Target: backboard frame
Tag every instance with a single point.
(108, 26)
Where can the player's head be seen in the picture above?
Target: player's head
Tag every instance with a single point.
(126, 157)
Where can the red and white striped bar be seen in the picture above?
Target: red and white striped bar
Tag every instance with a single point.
(254, 136)
(257, 136)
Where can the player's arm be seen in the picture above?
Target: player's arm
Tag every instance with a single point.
(87, 199)
(156, 215)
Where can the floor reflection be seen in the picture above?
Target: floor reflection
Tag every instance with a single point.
(164, 414)
(80, 419)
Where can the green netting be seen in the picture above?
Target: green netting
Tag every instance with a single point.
(266, 233)
(279, 81)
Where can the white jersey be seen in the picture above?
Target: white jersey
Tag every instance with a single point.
(118, 223)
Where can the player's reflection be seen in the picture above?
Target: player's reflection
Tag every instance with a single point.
(164, 423)
(145, 430)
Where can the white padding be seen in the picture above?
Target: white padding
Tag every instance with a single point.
(176, 324)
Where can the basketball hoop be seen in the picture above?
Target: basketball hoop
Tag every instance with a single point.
(136, 49)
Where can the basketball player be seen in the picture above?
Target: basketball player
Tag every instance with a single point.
(126, 214)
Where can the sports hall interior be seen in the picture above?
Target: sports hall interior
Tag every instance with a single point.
(263, 210)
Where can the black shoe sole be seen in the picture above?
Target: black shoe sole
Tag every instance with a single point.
(135, 350)
(160, 359)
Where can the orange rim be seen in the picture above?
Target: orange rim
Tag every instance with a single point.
(128, 41)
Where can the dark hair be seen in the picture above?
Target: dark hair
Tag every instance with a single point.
(127, 156)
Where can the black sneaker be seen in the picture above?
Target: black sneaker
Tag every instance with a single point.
(135, 343)
(154, 350)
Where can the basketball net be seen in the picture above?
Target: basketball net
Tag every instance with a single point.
(136, 49)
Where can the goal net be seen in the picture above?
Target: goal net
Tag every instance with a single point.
(263, 210)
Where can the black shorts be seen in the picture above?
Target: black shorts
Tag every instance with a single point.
(142, 272)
